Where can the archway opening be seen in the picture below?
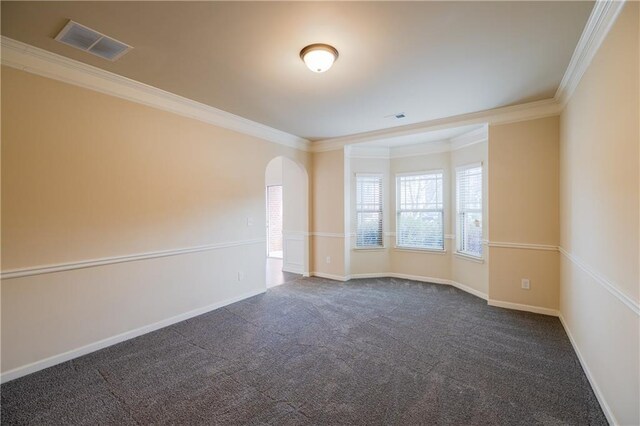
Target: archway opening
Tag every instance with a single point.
(287, 220)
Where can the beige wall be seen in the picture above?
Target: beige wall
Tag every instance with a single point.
(599, 215)
(87, 176)
(523, 208)
(328, 213)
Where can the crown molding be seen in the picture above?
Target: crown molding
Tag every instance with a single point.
(602, 18)
(600, 21)
(38, 61)
(510, 114)
(471, 138)
(368, 152)
(32, 59)
(434, 147)
(365, 151)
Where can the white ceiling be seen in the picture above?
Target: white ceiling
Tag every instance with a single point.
(426, 59)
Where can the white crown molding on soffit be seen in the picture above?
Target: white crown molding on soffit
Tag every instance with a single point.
(470, 138)
(41, 62)
(510, 114)
(425, 148)
(600, 21)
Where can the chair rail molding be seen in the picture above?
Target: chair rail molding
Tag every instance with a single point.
(604, 282)
(91, 263)
(524, 246)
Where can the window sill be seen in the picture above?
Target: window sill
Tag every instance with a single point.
(420, 250)
(369, 248)
(469, 257)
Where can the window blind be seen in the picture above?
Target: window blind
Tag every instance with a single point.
(419, 208)
(469, 210)
(369, 211)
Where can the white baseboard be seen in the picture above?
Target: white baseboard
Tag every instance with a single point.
(420, 278)
(521, 307)
(432, 280)
(329, 276)
(101, 344)
(596, 389)
(470, 290)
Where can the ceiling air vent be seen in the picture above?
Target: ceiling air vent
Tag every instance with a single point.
(91, 41)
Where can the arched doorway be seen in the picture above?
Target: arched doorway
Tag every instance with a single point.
(287, 219)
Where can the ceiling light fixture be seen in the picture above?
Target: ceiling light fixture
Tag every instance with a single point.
(319, 57)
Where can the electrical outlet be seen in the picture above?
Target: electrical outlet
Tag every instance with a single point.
(249, 221)
(328, 259)
(240, 276)
(526, 285)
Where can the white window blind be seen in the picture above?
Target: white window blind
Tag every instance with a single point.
(369, 211)
(419, 208)
(469, 210)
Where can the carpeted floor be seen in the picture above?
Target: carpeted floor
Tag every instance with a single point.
(314, 351)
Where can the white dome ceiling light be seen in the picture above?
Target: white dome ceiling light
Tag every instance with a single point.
(319, 57)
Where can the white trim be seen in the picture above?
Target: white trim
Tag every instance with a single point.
(598, 25)
(330, 276)
(365, 174)
(424, 148)
(369, 152)
(420, 173)
(604, 282)
(449, 236)
(38, 61)
(521, 307)
(41, 62)
(468, 257)
(91, 263)
(523, 246)
(430, 280)
(420, 250)
(328, 234)
(101, 344)
(471, 138)
(373, 248)
(503, 115)
(470, 290)
(608, 412)
(364, 151)
(600, 21)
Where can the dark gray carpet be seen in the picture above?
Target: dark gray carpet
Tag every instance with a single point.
(314, 351)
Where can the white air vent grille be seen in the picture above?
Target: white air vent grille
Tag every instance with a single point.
(91, 41)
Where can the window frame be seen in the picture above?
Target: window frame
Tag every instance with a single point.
(459, 239)
(399, 210)
(380, 211)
